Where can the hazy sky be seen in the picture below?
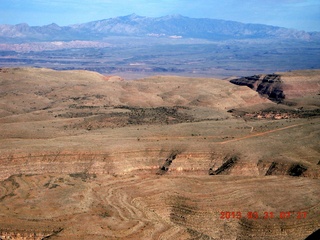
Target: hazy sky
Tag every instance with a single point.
(297, 14)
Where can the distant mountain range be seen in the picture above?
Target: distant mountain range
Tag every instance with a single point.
(173, 26)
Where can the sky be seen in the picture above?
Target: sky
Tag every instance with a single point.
(295, 14)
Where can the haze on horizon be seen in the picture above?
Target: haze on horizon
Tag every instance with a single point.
(295, 14)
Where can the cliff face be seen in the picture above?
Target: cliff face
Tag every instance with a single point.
(151, 161)
(296, 88)
(269, 85)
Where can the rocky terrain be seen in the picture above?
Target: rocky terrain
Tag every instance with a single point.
(89, 156)
(280, 87)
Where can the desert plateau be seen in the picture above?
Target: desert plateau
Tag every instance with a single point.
(90, 156)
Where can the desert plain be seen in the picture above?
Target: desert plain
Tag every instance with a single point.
(88, 156)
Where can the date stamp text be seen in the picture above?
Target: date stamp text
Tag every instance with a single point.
(262, 215)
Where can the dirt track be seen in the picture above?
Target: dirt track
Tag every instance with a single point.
(262, 133)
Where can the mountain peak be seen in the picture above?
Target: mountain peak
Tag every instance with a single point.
(52, 26)
(132, 16)
(22, 25)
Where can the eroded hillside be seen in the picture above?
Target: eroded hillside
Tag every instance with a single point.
(161, 157)
(296, 88)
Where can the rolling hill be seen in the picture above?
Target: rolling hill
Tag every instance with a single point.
(162, 157)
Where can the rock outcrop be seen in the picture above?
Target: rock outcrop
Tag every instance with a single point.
(269, 85)
(296, 88)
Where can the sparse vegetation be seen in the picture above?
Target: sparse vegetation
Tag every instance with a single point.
(165, 166)
(143, 166)
(82, 175)
(297, 170)
(228, 163)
